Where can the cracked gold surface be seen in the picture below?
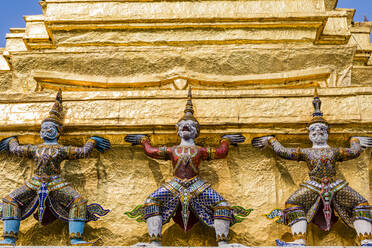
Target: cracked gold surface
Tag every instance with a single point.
(124, 176)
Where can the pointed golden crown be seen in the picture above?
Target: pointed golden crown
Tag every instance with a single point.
(189, 110)
(317, 114)
(56, 114)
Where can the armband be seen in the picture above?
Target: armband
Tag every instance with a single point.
(163, 152)
(227, 140)
(211, 153)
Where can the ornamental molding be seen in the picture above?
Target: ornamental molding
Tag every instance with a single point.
(180, 79)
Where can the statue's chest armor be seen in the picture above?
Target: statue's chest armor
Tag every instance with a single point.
(322, 162)
(185, 160)
(48, 159)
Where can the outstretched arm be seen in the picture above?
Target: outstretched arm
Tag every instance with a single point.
(286, 153)
(101, 144)
(357, 145)
(11, 144)
(154, 152)
(223, 149)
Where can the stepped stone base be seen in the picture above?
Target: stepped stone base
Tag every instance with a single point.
(144, 245)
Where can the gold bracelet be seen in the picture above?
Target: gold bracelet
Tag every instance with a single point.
(92, 141)
(271, 140)
(143, 139)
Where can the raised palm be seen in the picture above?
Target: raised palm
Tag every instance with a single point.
(102, 144)
(234, 138)
(261, 142)
(4, 143)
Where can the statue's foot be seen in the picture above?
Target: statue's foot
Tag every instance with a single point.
(366, 242)
(222, 243)
(80, 242)
(298, 242)
(155, 243)
(8, 242)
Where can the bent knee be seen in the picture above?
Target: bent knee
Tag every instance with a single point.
(289, 204)
(78, 200)
(9, 200)
(149, 200)
(10, 209)
(223, 204)
(152, 201)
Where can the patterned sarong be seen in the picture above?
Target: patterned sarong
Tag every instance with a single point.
(189, 197)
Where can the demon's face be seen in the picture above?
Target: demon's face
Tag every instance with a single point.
(187, 129)
(49, 131)
(318, 133)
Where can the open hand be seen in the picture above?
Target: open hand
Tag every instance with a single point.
(234, 138)
(4, 143)
(364, 141)
(261, 142)
(102, 144)
(135, 139)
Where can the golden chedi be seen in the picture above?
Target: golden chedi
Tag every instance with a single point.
(124, 68)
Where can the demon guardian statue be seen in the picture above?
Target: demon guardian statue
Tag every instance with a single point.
(318, 198)
(46, 191)
(187, 194)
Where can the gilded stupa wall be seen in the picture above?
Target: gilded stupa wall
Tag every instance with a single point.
(124, 67)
